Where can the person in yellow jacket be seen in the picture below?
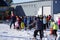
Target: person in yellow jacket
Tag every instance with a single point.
(22, 25)
(55, 28)
(51, 26)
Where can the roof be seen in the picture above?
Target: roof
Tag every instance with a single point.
(30, 2)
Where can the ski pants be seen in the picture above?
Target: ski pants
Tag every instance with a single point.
(40, 32)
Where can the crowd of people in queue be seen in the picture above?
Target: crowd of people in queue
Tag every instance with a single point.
(40, 24)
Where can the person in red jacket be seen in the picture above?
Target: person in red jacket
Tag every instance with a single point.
(19, 20)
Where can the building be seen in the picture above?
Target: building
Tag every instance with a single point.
(40, 7)
(33, 8)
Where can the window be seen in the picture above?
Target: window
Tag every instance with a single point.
(46, 11)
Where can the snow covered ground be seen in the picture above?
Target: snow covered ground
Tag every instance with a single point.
(12, 34)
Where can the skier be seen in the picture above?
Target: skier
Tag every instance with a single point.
(59, 22)
(39, 27)
(44, 22)
(22, 25)
(19, 21)
(16, 25)
(25, 22)
(54, 29)
(13, 20)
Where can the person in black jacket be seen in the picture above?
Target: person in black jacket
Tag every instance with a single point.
(39, 27)
(13, 20)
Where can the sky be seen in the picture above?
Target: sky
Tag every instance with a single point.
(19, 1)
